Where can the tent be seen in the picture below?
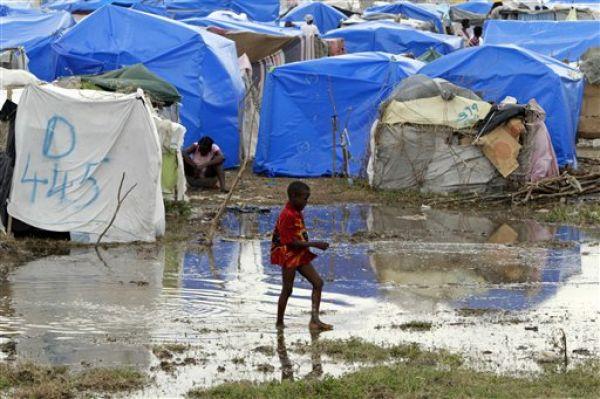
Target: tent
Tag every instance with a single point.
(16, 9)
(475, 7)
(129, 79)
(410, 10)
(73, 150)
(394, 38)
(201, 65)
(498, 71)
(233, 22)
(86, 6)
(300, 101)
(564, 40)
(35, 33)
(325, 16)
(258, 10)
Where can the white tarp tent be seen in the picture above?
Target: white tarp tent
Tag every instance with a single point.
(72, 149)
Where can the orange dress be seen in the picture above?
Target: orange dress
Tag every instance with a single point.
(290, 228)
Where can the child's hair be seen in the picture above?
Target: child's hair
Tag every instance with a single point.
(478, 31)
(206, 141)
(296, 187)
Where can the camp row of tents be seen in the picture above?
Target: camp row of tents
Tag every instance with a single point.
(262, 91)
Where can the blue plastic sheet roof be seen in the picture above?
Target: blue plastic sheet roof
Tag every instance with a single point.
(86, 5)
(326, 17)
(226, 21)
(300, 99)
(523, 74)
(258, 10)
(394, 38)
(35, 33)
(414, 11)
(562, 40)
(7, 10)
(476, 7)
(201, 65)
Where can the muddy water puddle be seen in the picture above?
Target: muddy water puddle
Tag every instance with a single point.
(498, 291)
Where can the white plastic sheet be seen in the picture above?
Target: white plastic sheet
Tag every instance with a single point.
(73, 147)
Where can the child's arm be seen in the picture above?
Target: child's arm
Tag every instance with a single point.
(322, 245)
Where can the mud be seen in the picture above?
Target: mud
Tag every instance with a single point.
(495, 289)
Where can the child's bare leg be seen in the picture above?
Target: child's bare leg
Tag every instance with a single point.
(287, 285)
(309, 273)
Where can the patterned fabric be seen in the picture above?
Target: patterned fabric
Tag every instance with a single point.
(290, 228)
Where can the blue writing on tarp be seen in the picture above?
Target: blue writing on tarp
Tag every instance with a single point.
(59, 129)
(50, 137)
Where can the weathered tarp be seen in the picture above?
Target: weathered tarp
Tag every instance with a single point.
(129, 79)
(16, 9)
(86, 6)
(394, 38)
(35, 33)
(258, 10)
(564, 40)
(300, 99)
(233, 22)
(326, 17)
(410, 10)
(201, 65)
(475, 7)
(523, 74)
(72, 148)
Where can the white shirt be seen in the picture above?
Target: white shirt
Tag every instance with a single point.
(310, 30)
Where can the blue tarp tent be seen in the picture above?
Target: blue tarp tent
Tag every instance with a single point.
(7, 10)
(86, 6)
(35, 33)
(410, 10)
(202, 66)
(226, 21)
(394, 38)
(258, 10)
(300, 99)
(475, 7)
(326, 17)
(498, 71)
(562, 40)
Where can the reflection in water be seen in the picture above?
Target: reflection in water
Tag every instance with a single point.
(76, 308)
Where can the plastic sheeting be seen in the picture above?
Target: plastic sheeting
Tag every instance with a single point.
(35, 33)
(258, 10)
(72, 149)
(228, 21)
(562, 40)
(513, 71)
(410, 10)
(475, 7)
(394, 38)
(86, 6)
(326, 18)
(300, 99)
(201, 65)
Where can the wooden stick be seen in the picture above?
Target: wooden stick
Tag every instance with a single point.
(215, 222)
(119, 203)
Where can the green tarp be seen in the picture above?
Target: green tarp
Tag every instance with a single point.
(129, 79)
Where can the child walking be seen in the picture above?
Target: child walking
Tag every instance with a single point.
(290, 249)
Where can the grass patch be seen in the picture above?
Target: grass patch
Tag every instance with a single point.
(180, 209)
(407, 380)
(413, 326)
(358, 350)
(581, 215)
(27, 380)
